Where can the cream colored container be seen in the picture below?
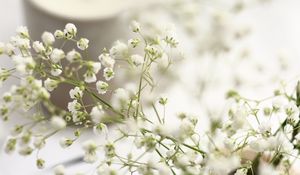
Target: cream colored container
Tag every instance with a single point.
(101, 21)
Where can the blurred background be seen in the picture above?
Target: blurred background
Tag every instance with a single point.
(251, 47)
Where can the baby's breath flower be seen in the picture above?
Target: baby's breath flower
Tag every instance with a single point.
(100, 128)
(97, 113)
(59, 170)
(73, 56)
(65, 142)
(22, 31)
(24, 65)
(76, 93)
(1, 48)
(58, 122)
(108, 73)
(10, 145)
(9, 49)
(22, 43)
(40, 163)
(90, 77)
(59, 34)
(90, 148)
(134, 42)
(57, 55)
(70, 31)
(48, 38)
(137, 60)
(25, 150)
(39, 142)
(101, 87)
(119, 50)
(56, 70)
(38, 47)
(83, 44)
(50, 84)
(96, 66)
(135, 26)
(74, 106)
(107, 60)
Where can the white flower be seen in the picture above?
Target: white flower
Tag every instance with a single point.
(90, 148)
(1, 47)
(292, 112)
(83, 43)
(101, 87)
(59, 34)
(56, 71)
(96, 66)
(100, 128)
(74, 106)
(57, 55)
(97, 114)
(9, 49)
(48, 38)
(119, 50)
(65, 142)
(22, 31)
(76, 93)
(297, 137)
(163, 169)
(107, 60)
(39, 142)
(20, 42)
(38, 47)
(73, 56)
(58, 122)
(71, 28)
(59, 170)
(108, 73)
(265, 127)
(24, 65)
(135, 26)
(90, 77)
(137, 59)
(50, 84)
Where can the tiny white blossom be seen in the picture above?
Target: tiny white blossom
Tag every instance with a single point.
(137, 60)
(38, 47)
(48, 38)
(57, 55)
(107, 60)
(100, 128)
(90, 77)
(90, 148)
(119, 50)
(58, 122)
(76, 93)
(101, 87)
(108, 73)
(73, 56)
(50, 84)
(22, 31)
(71, 28)
(9, 49)
(135, 26)
(1, 47)
(59, 170)
(56, 71)
(97, 114)
(83, 44)
(96, 66)
(65, 142)
(74, 106)
(59, 34)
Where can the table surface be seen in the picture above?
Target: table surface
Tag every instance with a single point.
(276, 26)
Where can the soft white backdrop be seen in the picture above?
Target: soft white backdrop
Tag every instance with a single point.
(276, 26)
